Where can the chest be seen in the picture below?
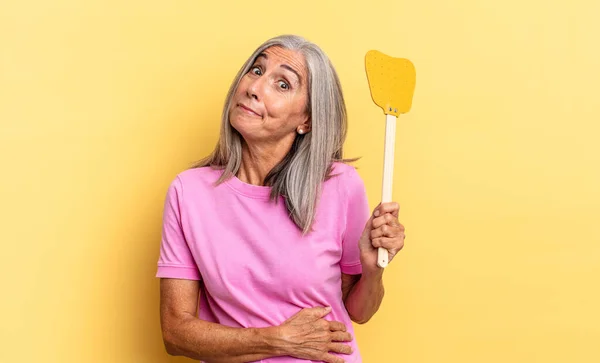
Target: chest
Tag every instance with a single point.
(250, 245)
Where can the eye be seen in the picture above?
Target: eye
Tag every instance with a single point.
(283, 85)
(256, 70)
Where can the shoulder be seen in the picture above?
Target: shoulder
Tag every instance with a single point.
(347, 175)
(346, 179)
(196, 179)
(204, 174)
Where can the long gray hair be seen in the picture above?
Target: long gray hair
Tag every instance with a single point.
(298, 177)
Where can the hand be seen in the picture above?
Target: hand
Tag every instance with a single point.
(381, 230)
(307, 335)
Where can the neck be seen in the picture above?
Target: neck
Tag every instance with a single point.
(259, 160)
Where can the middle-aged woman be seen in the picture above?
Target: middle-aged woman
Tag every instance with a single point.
(268, 249)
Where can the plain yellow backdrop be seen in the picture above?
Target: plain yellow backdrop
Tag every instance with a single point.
(497, 167)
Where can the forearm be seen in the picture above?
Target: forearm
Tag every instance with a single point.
(366, 295)
(215, 343)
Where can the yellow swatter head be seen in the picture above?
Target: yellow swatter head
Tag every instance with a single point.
(392, 82)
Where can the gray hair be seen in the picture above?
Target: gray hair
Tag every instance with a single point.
(299, 176)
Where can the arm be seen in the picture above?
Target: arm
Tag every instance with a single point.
(362, 295)
(305, 335)
(185, 334)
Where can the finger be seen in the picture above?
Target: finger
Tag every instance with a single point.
(337, 326)
(340, 348)
(330, 358)
(319, 311)
(385, 231)
(341, 336)
(385, 219)
(391, 207)
(391, 244)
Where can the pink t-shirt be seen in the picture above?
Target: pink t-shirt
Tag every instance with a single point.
(255, 267)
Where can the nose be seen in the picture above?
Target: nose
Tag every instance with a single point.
(254, 89)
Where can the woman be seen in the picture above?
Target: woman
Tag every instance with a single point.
(268, 250)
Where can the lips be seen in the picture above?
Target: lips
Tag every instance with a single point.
(249, 110)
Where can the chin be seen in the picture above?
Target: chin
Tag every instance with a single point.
(239, 126)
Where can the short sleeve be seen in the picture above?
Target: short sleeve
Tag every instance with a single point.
(175, 260)
(357, 215)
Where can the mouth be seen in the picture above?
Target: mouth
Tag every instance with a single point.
(249, 110)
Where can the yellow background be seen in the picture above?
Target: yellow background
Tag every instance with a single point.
(497, 167)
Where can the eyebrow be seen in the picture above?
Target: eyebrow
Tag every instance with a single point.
(264, 55)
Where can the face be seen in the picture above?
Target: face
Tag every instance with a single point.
(270, 104)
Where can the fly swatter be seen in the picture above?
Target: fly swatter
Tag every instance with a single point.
(392, 83)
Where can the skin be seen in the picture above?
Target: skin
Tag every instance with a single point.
(269, 110)
(276, 90)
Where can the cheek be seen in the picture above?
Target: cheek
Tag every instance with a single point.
(276, 106)
(297, 107)
(284, 105)
(242, 86)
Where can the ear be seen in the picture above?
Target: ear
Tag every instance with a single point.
(306, 125)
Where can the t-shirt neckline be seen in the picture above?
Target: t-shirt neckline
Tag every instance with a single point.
(248, 190)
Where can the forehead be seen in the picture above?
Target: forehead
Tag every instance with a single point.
(278, 56)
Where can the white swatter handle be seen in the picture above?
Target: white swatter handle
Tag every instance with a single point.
(388, 175)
